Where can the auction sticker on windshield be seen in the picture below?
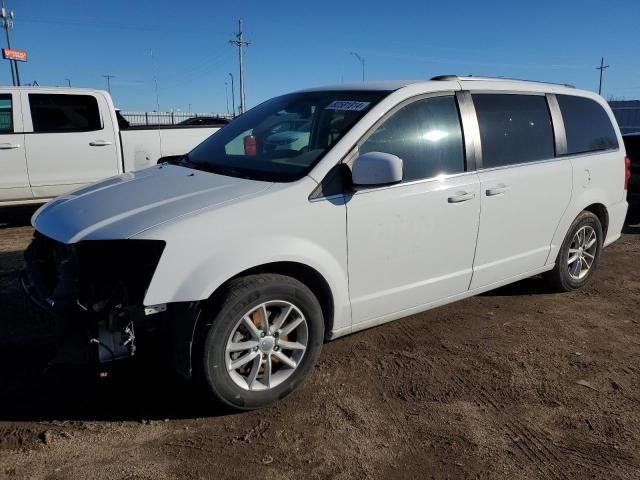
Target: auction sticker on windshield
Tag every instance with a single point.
(347, 105)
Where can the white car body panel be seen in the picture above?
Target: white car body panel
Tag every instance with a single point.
(14, 176)
(47, 165)
(515, 233)
(409, 245)
(143, 148)
(385, 252)
(122, 206)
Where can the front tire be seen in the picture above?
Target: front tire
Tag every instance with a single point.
(262, 338)
(579, 254)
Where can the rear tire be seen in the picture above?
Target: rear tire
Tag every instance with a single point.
(579, 254)
(247, 363)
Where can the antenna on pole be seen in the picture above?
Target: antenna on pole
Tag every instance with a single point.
(602, 68)
(240, 42)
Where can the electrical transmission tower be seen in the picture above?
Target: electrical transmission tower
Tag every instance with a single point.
(240, 43)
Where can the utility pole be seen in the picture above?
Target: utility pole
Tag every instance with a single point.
(240, 42)
(233, 96)
(7, 24)
(361, 60)
(108, 77)
(602, 68)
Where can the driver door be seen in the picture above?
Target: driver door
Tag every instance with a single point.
(412, 244)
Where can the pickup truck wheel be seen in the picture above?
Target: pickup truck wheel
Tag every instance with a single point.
(261, 340)
(578, 256)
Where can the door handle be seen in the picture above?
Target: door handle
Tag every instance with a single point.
(462, 197)
(100, 143)
(9, 146)
(497, 190)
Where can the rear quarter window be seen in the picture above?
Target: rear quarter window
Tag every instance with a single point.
(587, 125)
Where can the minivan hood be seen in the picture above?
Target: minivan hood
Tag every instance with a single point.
(122, 206)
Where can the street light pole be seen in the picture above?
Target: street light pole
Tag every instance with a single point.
(68, 82)
(233, 95)
(226, 95)
(7, 24)
(361, 60)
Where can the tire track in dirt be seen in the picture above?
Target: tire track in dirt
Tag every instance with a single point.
(549, 458)
(528, 444)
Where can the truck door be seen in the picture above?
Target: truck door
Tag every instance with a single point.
(14, 179)
(71, 141)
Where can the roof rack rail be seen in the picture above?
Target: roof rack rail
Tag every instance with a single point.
(471, 77)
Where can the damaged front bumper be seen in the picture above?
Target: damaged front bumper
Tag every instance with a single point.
(94, 290)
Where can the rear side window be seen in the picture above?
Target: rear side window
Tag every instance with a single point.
(514, 129)
(426, 135)
(6, 114)
(587, 125)
(64, 113)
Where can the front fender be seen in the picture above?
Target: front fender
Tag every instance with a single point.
(204, 252)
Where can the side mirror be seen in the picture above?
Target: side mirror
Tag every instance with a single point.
(376, 168)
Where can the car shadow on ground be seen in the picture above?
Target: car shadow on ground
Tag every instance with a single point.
(16, 216)
(632, 222)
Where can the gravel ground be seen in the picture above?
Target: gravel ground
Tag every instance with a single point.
(515, 383)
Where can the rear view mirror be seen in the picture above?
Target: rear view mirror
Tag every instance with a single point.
(376, 168)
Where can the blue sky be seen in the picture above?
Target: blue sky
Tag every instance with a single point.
(302, 44)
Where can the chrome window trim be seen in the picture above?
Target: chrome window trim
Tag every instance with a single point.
(439, 178)
(470, 130)
(557, 122)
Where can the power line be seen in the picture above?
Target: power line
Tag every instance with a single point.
(602, 68)
(240, 43)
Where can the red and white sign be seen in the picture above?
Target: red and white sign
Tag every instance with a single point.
(11, 54)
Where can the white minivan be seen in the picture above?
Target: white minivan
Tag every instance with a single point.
(240, 259)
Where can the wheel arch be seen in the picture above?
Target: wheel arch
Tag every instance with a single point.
(305, 274)
(600, 211)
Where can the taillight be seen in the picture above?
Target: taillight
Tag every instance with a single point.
(627, 172)
(250, 145)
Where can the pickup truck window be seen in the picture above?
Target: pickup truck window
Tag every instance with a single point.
(282, 139)
(64, 113)
(6, 114)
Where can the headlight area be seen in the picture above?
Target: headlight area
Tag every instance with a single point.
(95, 290)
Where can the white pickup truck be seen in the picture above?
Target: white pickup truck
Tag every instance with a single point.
(53, 140)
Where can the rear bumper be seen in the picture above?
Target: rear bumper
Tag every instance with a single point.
(617, 215)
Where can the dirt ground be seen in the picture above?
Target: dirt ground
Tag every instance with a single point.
(516, 383)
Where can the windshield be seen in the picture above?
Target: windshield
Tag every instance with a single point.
(281, 139)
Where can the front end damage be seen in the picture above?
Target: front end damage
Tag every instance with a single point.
(94, 290)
